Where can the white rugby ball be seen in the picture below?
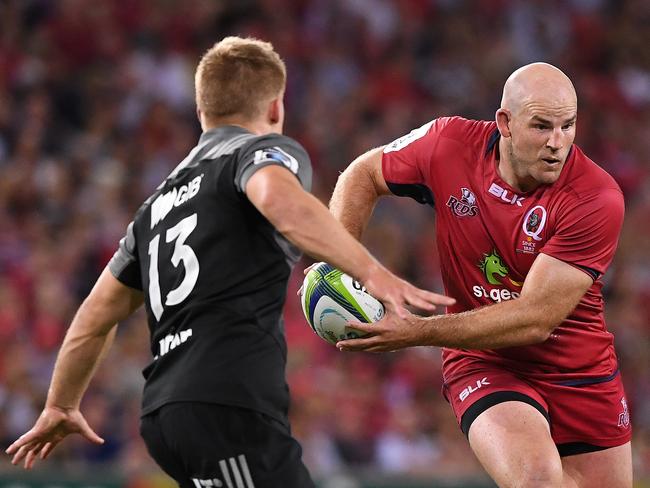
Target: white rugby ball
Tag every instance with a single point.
(330, 299)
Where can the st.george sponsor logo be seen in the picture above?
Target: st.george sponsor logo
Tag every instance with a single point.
(469, 389)
(496, 272)
(465, 206)
(497, 295)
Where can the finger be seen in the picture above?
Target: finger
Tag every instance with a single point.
(439, 299)
(363, 327)
(397, 307)
(90, 434)
(21, 441)
(20, 454)
(427, 300)
(47, 449)
(31, 456)
(355, 345)
(420, 303)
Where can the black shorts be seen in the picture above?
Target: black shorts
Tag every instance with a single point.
(210, 445)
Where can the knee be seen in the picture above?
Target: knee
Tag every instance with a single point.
(540, 473)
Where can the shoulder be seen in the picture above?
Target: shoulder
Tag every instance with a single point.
(586, 178)
(273, 149)
(465, 132)
(588, 190)
(273, 140)
(460, 127)
(465, 136)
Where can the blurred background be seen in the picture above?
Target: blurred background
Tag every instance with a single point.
(96, 108)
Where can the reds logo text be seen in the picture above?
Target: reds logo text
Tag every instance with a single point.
(465, 206)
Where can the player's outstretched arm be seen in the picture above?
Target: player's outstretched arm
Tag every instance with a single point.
(86, 342)
(357, 191)
(550, 293)
(307, 223)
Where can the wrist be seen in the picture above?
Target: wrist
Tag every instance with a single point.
(371, 272)
(61, 406)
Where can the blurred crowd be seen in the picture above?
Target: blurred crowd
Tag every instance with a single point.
(97, 107)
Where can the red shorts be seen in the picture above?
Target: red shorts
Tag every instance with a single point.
(584, 415)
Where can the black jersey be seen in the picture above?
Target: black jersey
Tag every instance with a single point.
(214, 273)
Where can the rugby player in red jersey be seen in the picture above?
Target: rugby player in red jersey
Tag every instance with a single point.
(526, 226)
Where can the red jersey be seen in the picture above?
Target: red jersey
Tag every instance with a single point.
(489, 234)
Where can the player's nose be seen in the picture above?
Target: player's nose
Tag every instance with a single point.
(555, 141)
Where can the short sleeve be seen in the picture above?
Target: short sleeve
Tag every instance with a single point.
(124, 264)
(273, 150)
(405, 163)
(586, 234)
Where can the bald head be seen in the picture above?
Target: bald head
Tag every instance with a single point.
(535, 85)
(537, 123)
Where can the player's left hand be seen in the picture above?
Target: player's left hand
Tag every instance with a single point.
(52, 427)
(389, 334)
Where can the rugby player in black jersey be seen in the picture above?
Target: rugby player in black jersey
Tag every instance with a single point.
(210, 254)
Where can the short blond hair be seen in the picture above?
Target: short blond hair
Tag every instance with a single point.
(236, 76)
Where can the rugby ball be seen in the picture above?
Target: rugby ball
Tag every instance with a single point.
(330, 299)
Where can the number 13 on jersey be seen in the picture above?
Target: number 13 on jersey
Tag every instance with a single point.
(182, 252)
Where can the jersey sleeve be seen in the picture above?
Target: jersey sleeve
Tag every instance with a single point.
(124, 264)
(405, 163)
(586, 234)
(273, 150)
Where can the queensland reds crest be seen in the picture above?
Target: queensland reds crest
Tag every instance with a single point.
(532, 226)
(534, 222)
(465, 206)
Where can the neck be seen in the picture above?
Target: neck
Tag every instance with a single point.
(255, 126)
(507, 168)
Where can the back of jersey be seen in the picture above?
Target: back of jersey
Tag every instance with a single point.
(214, 272)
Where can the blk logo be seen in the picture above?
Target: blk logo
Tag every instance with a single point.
(503, 195)
(472, 388)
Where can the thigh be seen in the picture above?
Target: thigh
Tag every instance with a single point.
(232, 447)
(609, 468)
(483, 385)
(587, 416)
(151, 432)
(512, 440)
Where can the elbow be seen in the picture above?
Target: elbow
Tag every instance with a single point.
(285, 218)
(540, 334)
(542, 328)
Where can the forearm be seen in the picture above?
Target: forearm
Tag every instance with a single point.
(307, 223)
(355, 194)
(80, 355)
(511, 323)
(88, 339)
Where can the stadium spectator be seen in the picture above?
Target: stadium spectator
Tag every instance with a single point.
(90, 112)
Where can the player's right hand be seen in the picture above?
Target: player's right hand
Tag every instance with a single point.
(53, 425)
(305, 271)
(395, 293)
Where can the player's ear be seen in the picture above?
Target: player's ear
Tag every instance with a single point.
(503, 117)
(199, 116)
(275, 112)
